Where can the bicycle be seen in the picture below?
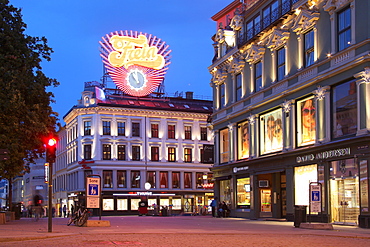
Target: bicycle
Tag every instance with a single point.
(79, 218)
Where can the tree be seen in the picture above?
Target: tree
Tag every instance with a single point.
(26, 116)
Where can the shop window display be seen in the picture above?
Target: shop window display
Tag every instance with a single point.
(224, 145)
(108, 204)
(344, 109)
(121, 204)
(135, 204)
(303, 176)
(306, 121)
(225, 191)
(243, 140)
(271, 132)
(243, 193)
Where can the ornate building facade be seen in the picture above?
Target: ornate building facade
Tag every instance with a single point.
(291, 82)
(130, 141)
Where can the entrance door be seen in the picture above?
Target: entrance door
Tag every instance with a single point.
(265, 203)
(345, 206)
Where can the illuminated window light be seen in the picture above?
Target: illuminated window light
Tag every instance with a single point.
(297, 11)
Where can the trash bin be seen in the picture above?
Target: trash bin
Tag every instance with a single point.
(300, 215)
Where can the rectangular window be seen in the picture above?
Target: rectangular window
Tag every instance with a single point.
(135, 179)
(108, 204)
(121, 128)
(151, 178)
(87, 152)
(176, 180)
(344, 29)
(154, 130)
(243, 193)
(171, 131)
(306, 121)
(203, 134)
(199, 182)
(280, 64)
(258, 76)
(309, 48)
(303, 176)
(222, 95)
(107, 152)
(154, 153)
(87, 128)
(253, 27)
(122, 204)
(136, 153)
(121, 179)
(188, 155)
(121, 152)
(224, 145)
(238, 87)
(344, 109)
(107, 179)
(243, 140)
(135, 129)
(163, 180)
(271, 132)
(271, 14)
(187, 180)
(171, 154)
(187, 132)
(106, 127)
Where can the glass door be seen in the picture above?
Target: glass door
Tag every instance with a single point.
(265, 203)
(344, 192)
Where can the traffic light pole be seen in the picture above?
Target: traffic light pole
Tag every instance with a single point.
(50, 194)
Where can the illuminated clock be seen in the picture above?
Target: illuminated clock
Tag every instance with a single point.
(136, 79)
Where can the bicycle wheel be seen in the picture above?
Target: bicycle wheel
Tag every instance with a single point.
(82, 220)
(70, 220)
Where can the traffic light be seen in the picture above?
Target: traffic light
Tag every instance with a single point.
(51, 147)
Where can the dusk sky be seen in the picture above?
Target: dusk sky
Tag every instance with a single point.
(75, 27)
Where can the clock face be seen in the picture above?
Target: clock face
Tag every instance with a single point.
(136, 79)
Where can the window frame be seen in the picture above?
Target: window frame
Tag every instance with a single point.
(154, 130)
(108, 178)
(107, 151)
(188, 155)
(280, 63)
(171, 131)
(87, 128)
(121, 130)
(187, 132)
(87, 152)
(344, 31)
(171, 157)
(154, 153)
(309, 52)
(238, 86)
(121, 152)
(106, 127)
(203, 133)
(135, 152)
(121, 174)
(258, 72)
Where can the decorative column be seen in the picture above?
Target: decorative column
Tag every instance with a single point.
(287, 136)
(363, 100)
(322, 114)
(253, 149)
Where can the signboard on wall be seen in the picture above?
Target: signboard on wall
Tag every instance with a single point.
(315, 197)
(137, 62)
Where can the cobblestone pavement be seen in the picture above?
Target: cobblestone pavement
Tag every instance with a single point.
(177, 231)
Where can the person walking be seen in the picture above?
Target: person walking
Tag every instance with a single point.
(225, 209)
(214, 207)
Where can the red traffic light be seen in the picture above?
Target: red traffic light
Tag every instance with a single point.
(52, 142)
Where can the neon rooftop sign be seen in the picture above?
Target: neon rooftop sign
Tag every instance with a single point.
(136, 62)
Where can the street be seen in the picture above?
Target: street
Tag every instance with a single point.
(177, 231)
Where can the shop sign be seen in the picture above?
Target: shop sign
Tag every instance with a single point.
(237, 169)
(315, 199)
(324, 155)
(137, 62)
(208, 186)
(93, 192)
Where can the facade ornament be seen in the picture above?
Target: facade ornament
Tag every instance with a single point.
(220, 37)
(236, 65)
(252, 119)
(287, 105)
(254, 53)
(320, 92)
(277, 38)
(305, 19)
(219, 76)
(237, 23)
(332, 5)
(230, 126)
(363, 76)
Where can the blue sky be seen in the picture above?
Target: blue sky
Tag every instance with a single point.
(75, 27)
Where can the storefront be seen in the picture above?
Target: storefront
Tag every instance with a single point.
(271, 186)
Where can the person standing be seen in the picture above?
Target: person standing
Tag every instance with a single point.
(214, 207)
(65, 211)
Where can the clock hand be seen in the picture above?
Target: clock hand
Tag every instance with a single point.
(135, 77)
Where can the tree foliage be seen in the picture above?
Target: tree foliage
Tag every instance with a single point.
(26, 116)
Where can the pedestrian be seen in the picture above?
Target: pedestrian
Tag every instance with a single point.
(72, 209)
(220, 211)
(65, 211)
(60, 211)
(214, 206)
(225, 209)
(53, 212)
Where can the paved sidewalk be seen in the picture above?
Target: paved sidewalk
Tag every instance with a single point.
(177, 231)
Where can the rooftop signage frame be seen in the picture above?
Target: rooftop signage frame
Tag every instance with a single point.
(137, 62)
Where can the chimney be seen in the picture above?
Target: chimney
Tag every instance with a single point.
(189, 95)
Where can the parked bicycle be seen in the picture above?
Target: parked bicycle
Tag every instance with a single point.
(79, 218)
